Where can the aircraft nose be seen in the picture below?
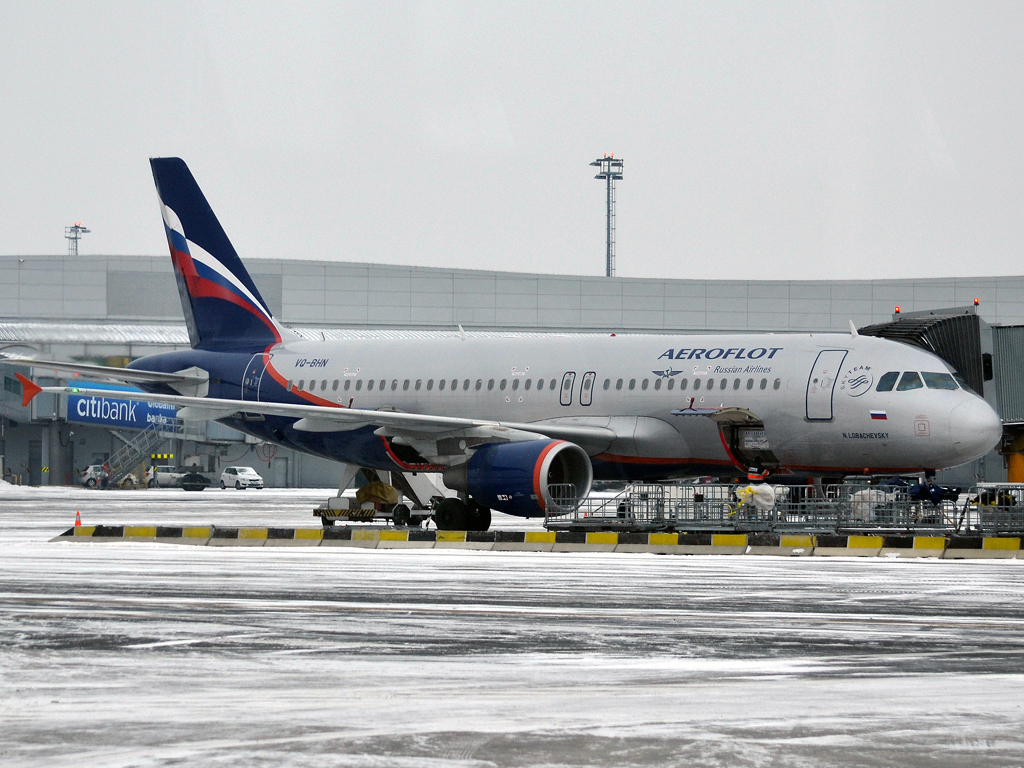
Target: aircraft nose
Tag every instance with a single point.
(974, 428)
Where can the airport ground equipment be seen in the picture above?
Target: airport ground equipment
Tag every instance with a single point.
(134, 451)
(402, 498)
(844, 508)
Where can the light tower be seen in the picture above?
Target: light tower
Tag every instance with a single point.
(74, 234)
(611, 171)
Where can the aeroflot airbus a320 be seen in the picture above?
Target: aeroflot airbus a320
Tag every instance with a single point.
(513, 420)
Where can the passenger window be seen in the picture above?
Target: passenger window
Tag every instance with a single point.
(540, 383)
(359, 384)
(710, 384)
(909, 380)
(777, 384)
(887, 382)
(643, 384)
(527, 384)
(736, 384)
(348, 384)
(479, 383)
(750, 383)
(290, 385)
(515, 383)
(369, 385)
(490, 384)
(323, 385)
(607, 383)
(632, 383)
(382, 383)
(696, 384)
(618, 384)
(938, 380)
(553, 384)
(430, 384)
(301, 382)
(465, 385)
(441, 385)
(657, 383)
(455, 384)
(405, 385)
(683, 384)
(672, 383)
(394, 385)
(501, 386)
(419, 383)
(334, 386)
(764, 383)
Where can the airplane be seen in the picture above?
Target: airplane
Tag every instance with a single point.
(524, 423)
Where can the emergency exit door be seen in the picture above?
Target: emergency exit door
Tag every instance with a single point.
(822, 382)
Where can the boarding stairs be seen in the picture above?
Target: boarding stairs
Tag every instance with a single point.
(133, 453)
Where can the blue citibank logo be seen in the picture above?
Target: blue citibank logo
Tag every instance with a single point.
(116, 412)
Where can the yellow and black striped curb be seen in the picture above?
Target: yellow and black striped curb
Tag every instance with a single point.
(699, 543)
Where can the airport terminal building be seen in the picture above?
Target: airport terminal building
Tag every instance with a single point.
(111, 309)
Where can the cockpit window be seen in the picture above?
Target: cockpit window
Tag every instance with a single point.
(909, 380)
(961, 381)
(887, 382)
(938, 380)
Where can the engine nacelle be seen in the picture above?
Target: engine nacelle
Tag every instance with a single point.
(524, 478)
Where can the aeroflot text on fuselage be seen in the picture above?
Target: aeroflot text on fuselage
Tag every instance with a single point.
(717, 353)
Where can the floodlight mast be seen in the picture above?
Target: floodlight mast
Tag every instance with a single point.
(611, 171)
(74, 234)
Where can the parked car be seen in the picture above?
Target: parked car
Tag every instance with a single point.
(94, 475)
(164, 476)
(240, 477)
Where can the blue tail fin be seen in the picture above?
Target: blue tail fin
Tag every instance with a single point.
(223, 309)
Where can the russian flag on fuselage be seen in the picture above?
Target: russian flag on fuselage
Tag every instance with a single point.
(223, 308)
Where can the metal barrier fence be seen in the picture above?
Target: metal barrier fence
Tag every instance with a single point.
(989, 508)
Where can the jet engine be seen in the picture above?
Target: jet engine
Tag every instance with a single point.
(525, 478)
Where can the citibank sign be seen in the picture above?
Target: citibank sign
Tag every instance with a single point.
(112, 411)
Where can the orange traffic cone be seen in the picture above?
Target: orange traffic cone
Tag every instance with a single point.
(78, 518)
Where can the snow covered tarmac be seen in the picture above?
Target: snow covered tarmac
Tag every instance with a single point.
(119, 654)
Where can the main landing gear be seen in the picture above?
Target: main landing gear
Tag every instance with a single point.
(457, 515)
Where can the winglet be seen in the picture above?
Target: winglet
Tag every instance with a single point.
(29, 389)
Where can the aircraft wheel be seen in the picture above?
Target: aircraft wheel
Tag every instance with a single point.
(451, 515)
(401, 516)
(479, 518)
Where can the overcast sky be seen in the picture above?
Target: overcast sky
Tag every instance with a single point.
(761, 140)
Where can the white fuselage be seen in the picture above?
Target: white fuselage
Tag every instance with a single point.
(816, 394)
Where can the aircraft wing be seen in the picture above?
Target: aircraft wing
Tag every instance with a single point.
(106, 372)
(316, 418)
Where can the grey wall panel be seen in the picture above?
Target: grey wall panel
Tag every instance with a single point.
(143, 295)
(270, 287)
(1008, 358)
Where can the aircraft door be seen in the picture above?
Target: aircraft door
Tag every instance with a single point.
(822, 382)
(587, 388)
(565, 396)
(253, 376)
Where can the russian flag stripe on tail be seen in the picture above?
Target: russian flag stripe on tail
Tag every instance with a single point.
(879, 415)
(222, 306)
